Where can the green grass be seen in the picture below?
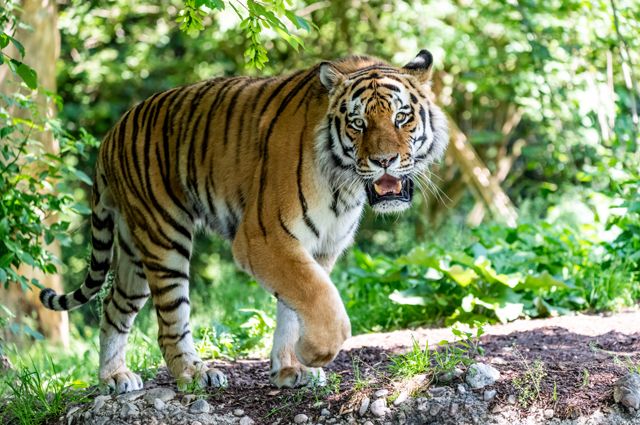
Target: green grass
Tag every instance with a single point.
(528, 385)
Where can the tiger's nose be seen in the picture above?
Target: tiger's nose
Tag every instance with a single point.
(384, 161)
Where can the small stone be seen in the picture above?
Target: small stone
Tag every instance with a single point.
(548, 413)
(364, 406)
(402, 397)
(188, 399)
(489, 395)
(196, 423)
(626, 390)
(379, 407)
(132, 396)
(437, 391)
(245, 420)
(511, 399)
(164, 394)
(128, 410)
(158, 404)
(461, 389)
(368, 423)
(453, 410)
(381, 393)
(199, 406)
(300, 418)
(99, 402)
(238, 412)
(480, 375)
(326, 412)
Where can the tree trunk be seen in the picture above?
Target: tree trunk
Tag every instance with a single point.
(42, 48)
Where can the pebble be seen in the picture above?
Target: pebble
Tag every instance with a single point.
(402, 397)
(437, 391)
(164, 394)
(461, 389)
(238, 412)
(453, 409)
(480, 375)
(489, 395)
(188, 398)
(368, 423)
(381, 393)
(132, 396)
(158, 404)
(511, 399)
(379, 407)
(99, 402)
(245, 420)
(196, 423)
(128, 410)
(200, 406)
(326, 412)
(300, 418)
(548, 413)
(364, 406)
(626, 390)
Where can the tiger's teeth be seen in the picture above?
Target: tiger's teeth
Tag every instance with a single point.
(378, 189)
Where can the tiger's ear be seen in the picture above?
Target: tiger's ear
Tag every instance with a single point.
(421, 66)
(330, 76)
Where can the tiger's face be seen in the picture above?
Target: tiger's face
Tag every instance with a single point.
(384, 129)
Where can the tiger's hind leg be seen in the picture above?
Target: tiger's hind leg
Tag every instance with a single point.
(286, 370)
(127, 296)
(169, 284)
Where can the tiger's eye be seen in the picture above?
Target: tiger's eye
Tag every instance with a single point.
(400, 116)
(358, 122)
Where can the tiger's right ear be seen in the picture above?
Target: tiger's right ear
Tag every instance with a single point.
(330, 76)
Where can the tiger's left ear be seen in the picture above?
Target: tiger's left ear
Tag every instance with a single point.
(421, 66)
(330, 76)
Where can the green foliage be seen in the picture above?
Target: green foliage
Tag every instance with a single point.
(528, 385)
(36, 395)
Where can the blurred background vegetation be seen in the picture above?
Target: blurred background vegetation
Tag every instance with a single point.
(544, 220)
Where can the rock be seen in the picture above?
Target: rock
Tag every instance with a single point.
(188, 399)
(626, 390)
(548, 413)
(368, 423)
(381, 393)
(453, 410)
(132, 396)
(450, 375)
(158, 404)
(480, 375)
(489, 395)
(461, 389)
(511, 399)
(326, 412)
(238, 412)
(300, 418)
(99, 402)
(245, 420)
(437, 391)
(379, 407)
(402, 397)
(200, 406)
(364, 406)
(164, 394)
(128, 410)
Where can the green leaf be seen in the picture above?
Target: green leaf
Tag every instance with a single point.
(461, 276)
(28, 74)
(3, 276)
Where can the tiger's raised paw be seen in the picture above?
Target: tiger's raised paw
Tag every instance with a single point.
(122, 382)
(298, 376)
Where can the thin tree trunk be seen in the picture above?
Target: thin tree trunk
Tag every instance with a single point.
(42, 46)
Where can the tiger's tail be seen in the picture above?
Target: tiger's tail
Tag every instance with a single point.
(102, 237)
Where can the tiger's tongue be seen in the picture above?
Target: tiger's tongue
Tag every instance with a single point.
(387, 184)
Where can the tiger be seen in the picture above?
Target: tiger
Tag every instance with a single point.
(280, 166)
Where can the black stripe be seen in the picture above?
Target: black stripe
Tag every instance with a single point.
(173, 304)
(92, 283)
(120, 308)
(166, 272)
(165, 289)
(130, 297)
(100, 224)
(120, 330)
(99, 266)
(99, 245)
(63, 302)
(284, 227)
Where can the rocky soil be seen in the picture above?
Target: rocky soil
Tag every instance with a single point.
(571, 361)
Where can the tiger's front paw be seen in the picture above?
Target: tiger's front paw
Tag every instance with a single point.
(298, 376)
(196, 371)
(121, 382)
(322, 334)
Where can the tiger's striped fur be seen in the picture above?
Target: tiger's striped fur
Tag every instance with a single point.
(277, 165)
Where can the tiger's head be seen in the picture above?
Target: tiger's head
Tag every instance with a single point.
(382, 127)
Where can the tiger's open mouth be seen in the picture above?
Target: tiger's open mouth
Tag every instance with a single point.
(389, 188)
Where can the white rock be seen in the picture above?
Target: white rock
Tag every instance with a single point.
(300, 418)
(200, 406)
(164, 394)
(158, 404)
(548, 413)
(245, 420)
(489, 395)
(461, 389)
(480, 375)
(325, 412)
(364, 406)
(381, 393)
(368, 423)
(453, 410)
(437, 391)
(511, 399)
(379, 407)
(238, 412)
(402, 397)
(128, 410)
